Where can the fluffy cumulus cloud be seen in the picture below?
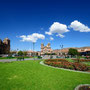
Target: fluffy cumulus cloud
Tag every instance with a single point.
(51, 38)
(57, 28)
(33, 37)
(78, 26)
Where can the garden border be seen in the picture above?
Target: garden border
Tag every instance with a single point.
(42, 63)
(77, 88)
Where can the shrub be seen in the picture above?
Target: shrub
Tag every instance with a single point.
(39, 57)
(20, 53)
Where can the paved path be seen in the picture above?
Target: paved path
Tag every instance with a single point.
(9, 60)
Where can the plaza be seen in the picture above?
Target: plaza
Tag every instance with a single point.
(44, 45)
(33, 74)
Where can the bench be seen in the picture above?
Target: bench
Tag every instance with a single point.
(20, 58)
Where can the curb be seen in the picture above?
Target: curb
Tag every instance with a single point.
(77, 88)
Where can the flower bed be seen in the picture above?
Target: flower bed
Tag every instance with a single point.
(62, 63)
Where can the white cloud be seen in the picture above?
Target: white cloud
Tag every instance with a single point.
(57, 28)
(51, 38)
(78, 26)
(60, 35)
(33, 37)
(49, 33)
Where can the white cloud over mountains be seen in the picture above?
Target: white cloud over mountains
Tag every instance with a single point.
(32, 38)
(78, 26)
(57, 28)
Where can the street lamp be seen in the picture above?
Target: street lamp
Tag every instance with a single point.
(33, 49)
(61, 46)
(17, 50)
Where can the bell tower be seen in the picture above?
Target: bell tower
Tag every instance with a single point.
(6, 43)
(42, 48)
(48, 45)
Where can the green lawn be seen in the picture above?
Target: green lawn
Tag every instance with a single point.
(70, 60)
(87, 63)
(30, 75)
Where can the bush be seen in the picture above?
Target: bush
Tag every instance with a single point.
(20, 57)
(20, 53)
(9, 57)
(39, 57)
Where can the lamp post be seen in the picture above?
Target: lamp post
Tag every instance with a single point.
(33, 49)
(61, 46)
(17, 50)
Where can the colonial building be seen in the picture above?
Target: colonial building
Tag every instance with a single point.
(46, 49)
(64, 51)
(82, 50)
(4, 46)
(31, 53)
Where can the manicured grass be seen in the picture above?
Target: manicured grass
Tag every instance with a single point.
(68, 59)
(87, 63)
(30, 75)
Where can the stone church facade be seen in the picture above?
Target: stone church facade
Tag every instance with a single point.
(46, 49)
(5, 46)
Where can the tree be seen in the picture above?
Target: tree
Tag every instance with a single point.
(20, 53)
(25, 53)
(73, 52)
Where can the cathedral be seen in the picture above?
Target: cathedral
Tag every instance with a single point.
(5, 46)
(46, 49)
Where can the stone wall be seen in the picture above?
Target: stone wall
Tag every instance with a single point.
(4, 46)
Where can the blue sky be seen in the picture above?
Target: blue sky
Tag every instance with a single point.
(25, 17)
